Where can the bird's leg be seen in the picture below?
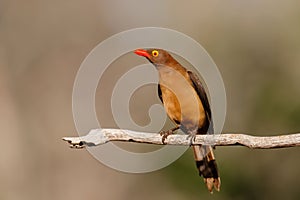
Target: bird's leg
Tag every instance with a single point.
(165, 134)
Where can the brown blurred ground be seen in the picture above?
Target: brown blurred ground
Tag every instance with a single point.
(255, 44)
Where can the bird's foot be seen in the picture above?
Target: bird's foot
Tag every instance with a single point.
(165, 134)
(192, 138)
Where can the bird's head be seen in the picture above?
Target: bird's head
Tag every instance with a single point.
(155, 56)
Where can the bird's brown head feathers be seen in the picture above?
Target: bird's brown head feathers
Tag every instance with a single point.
(156, 56)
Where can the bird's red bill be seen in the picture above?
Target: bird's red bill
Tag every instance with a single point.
(142, 52)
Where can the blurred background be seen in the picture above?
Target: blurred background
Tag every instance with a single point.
(255, 44)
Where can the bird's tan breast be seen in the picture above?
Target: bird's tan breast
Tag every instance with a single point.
(180, 99)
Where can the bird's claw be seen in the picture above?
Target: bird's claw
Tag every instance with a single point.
(192, 138)
(165, 134)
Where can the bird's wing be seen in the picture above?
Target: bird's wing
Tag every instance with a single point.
(202, 94)
(160, 93)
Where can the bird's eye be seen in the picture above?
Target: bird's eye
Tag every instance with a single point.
(155, 53)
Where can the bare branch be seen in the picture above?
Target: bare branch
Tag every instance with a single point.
(101, 136)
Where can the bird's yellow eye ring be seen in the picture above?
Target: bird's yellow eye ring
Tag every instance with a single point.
(155, 53)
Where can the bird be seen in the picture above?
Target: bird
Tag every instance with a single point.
(186, 104)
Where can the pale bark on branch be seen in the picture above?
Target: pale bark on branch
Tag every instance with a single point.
(101, 136)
